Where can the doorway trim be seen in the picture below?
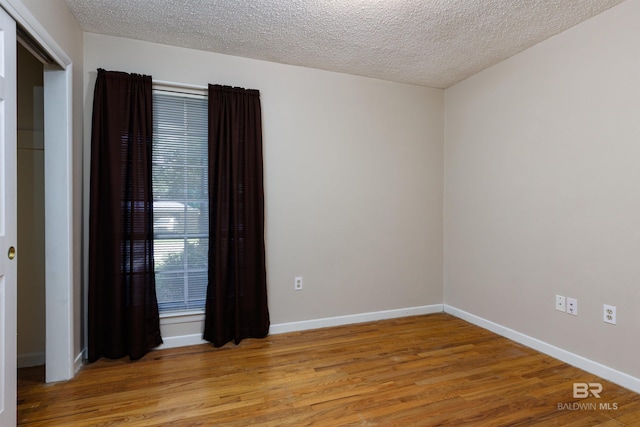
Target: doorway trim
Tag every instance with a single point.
(59, 255)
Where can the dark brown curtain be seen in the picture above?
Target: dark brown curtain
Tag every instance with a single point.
(236, 306)
(123, 310)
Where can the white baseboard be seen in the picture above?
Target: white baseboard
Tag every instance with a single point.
(79, 360)
(194, 339)
(31, 359)
(613, 375)
(354, 318)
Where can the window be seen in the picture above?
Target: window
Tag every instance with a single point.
(180, 200)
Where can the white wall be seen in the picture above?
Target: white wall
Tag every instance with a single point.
(542, 189)
(353, 177)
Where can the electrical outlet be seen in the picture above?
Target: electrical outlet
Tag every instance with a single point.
(298, 283)
(560, 303)
(609, 315)
(572, 306)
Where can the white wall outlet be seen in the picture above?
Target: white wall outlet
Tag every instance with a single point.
(560, 303)
(298, 283)
(609, 315)
(572, 306)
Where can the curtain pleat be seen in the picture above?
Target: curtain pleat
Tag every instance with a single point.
(236, 304)
(122, 304)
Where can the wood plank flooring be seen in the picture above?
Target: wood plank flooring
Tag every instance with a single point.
(432, 370)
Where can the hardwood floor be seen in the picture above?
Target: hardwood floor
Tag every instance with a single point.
(415, 371)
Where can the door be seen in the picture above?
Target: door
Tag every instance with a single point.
(8, 208)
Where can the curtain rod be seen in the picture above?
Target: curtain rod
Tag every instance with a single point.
(180, 85)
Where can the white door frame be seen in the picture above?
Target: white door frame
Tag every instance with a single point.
(58, 205)
(58, 176)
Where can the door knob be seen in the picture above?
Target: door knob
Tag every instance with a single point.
(12, 252)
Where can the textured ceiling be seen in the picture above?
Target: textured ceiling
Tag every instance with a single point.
(433, 43)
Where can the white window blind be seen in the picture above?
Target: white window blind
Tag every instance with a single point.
(180, 200)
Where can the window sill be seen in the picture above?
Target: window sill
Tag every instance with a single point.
(181, 317)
